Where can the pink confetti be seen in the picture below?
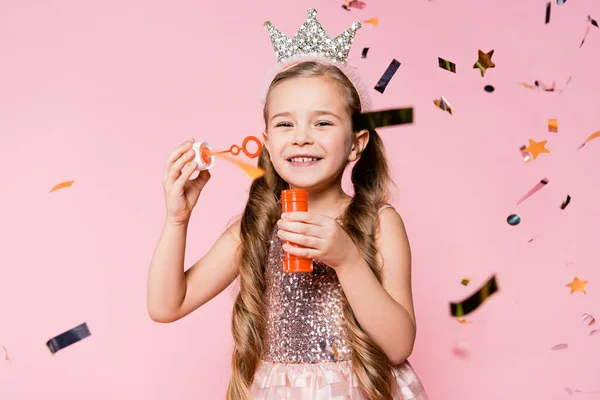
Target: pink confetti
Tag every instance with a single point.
(592, 333)
(560, 346)
(588, 319)
(537, 187)
(461, 350)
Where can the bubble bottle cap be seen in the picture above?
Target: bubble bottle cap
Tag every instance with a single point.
(203, 155)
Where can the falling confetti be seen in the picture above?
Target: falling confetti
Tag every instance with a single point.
(374, 21)
(61, 185)
(537, 187)
(565, 203)
(463, 321)
(591, 137)
(595, 331)
(447, 65)
(5, 354)
(526, 155)
(465, 281)
(588, 319)
(387, 76)
(484, 61)
(380, 119)
(561, 2)
(354, 4)
(513, 219)
(536, 148)
(489, 88)
(577, 285)
(560, 346)
(443, 104)
(461, 350)
(548, 12)
(364, 52)
(68, 338)
(552, 125)
(471, 303)
(590, 21)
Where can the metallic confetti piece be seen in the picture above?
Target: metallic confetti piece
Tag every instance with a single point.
(561, 2)
(548, 12)
(387, 76)
(443, 104)
(587, 28)
(68, 338)
(484, 61)
(565, 203)
(552, 125)
(489, 88)
(537, 187)
(560, 346)
(569, 390)
(526, 155)
(577, 285)
(471, 303)
(380, 119)
(5, 354)
(513, 219)
(364, 52)
(544, 87)
(447, 65)
(374, 21)
(536, 148)
(595, 331)
(588, 319)
(591, 137)
(465, 281)
(463, 321)
(461, 349)
(61, 185)
(354, 4)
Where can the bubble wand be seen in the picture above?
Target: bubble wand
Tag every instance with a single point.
(205, 156)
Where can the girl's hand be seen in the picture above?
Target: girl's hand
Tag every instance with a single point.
(323, 238)
(181, 193)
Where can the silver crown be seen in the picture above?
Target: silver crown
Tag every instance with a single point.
(311, 38)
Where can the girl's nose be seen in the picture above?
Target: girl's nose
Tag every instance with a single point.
(302, 136)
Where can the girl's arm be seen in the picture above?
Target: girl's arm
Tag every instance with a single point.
(173, 293)
(384, 311)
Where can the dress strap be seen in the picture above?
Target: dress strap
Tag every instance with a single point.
(383, 207)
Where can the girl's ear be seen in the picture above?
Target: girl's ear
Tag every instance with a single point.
(361, 139)
(266, 140)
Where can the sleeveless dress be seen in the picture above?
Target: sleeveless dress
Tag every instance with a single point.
(307, 355)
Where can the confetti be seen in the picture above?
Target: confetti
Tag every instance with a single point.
(587, 28)
(61, 185)
(380, 119)
(537, 187)
(461, 350)
(577, 285)
(443, 104)
(354, 4)
(588, 319)
(374, 21)
(471, 303)
(68, 338)
(591, 137)
(447, 65)
(484, 61)
(364, 52)
(330, 349)
(560, 346)
(561, 2)
(552, 125)
(463, 321)
(513, 219)
(565, 203)
(595, 331)
(489, 88)
(387, 76)
(548, 12)
(5, 354)
(526, 155)
(465, 281)
(535, 148)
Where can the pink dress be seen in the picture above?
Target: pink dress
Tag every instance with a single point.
(307, 355)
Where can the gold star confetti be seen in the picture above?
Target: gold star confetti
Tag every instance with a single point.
(577, 285)
(484, 61)
(535, 148)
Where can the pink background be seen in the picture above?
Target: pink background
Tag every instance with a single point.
(101, 92)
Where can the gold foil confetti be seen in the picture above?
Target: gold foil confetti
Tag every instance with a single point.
(465, 281)
(565, 203)
(526, 155)
(548, 12)
(387, 75)
(577, 285)
(552, 125)
(447, 65)
(484, 61)
(379, 119)
(471, 303)
(373, 21)
(5, 354)
(536, 148)
(61, 185)
(590, 21)
(591, 137)
(443, 104)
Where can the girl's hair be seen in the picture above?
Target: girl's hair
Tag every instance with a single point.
(370, 178)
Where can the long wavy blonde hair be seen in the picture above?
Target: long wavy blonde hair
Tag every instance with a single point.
(370, 178)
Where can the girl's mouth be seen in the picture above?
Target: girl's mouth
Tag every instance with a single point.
(304, 161)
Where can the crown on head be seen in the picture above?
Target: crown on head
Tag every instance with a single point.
(311, 38)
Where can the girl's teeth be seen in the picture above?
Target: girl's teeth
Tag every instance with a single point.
(303, 159)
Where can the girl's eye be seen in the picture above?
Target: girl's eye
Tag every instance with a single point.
(284, 124)
(324, 123)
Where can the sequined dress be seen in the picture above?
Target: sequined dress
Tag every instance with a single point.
(307, 355)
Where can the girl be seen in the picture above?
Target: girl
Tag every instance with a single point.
(343, 331)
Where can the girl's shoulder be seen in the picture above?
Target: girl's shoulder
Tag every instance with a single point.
(383, 207)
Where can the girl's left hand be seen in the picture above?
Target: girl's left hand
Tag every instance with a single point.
(324, 239)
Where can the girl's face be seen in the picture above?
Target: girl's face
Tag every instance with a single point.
(309, 132)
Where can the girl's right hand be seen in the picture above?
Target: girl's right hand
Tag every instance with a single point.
(181, 193)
